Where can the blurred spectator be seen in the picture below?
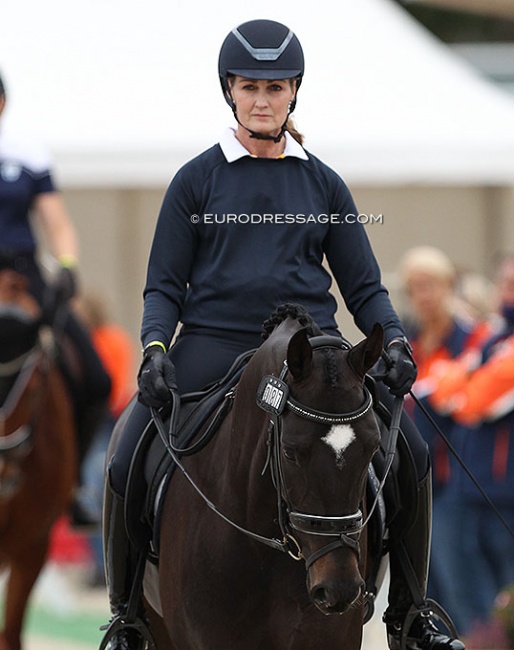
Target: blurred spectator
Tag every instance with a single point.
(115, 348)
(498, 631)
(117, 351)
(440, 329)
(478, 392)
(475, 295)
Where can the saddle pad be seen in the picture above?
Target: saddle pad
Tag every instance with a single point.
(151, 463)
(160, 466)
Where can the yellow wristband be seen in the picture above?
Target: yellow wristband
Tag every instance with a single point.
(67, 260)
(159, 343)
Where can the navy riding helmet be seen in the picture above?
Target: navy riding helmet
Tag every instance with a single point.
(260, 49)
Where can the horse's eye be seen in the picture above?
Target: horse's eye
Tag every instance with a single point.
(289, 453)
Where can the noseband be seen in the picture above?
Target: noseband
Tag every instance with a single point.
(273, 396)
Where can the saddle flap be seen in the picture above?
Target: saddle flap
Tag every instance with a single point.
(152, 466)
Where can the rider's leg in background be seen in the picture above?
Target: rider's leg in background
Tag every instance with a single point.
(446, 570)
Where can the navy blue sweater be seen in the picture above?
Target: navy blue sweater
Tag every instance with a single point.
(24, 174)
(211, 266)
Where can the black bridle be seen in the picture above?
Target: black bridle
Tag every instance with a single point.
(344, 530)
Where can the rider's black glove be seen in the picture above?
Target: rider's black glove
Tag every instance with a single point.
(401, 370)
(65, 284)
(156, 377)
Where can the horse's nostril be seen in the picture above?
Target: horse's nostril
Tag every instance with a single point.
(336, 598)
(319, 596)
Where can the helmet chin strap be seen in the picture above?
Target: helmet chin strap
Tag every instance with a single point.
(263, 136)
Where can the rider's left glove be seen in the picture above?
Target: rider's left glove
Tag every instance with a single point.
(65, 283)
(401, 370)
(156, 377)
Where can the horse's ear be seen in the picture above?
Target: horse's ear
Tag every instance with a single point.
(299, 354)
(365, 354)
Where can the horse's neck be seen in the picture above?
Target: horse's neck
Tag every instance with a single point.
(239, 455)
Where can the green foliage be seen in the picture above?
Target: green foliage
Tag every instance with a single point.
(460, 26)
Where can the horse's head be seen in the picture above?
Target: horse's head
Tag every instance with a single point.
(326, 435)
(19, 316)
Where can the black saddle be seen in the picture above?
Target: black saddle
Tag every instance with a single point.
(201, 413)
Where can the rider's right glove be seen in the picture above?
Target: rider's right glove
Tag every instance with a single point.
(156, 377)
(401, 370)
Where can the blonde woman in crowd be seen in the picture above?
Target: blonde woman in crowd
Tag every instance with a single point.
(441, 327)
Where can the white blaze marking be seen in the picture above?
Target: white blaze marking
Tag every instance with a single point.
(339, 437)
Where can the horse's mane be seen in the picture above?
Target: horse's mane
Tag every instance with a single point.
(290, 310)
(300, 313)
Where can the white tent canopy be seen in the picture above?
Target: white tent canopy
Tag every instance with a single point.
(123, 93)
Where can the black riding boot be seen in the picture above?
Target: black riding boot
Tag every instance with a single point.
(409, 618)
(120, 570)
(88, 419)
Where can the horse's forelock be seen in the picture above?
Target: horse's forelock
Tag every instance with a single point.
(284, 322)
(290, 311)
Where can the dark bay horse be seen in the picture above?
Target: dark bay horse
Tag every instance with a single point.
(37, 448)
(292, 471)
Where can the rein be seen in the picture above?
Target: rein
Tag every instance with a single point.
(273, 397)
(166, 436)
(11, 368)
(24, 367)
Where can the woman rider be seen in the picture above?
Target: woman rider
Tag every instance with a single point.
(221, 277)
(28, 195)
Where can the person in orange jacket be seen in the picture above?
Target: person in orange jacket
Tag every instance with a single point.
(439, 328)
(477, 391)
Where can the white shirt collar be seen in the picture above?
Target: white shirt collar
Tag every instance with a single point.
(233, 149)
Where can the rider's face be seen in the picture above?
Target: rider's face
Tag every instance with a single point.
(262, 105)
